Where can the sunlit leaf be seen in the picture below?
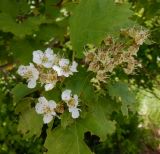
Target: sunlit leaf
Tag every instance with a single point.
(93, 20)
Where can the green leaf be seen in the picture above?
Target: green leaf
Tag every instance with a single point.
(20, 91)
(27, 27)
(98, 118)
(30, 122)
(51, 10)
(121, 92)
(14, 7)
(54, 94)
(124, 109)
(22, 50)
(54, 30)
(93, 20)
(69, 139)
(66, 119)
(80, 84)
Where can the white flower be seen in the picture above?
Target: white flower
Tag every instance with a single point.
(30, 73)
(47, 108)
(66, 95)
(46, 59)
(64, 68)
(72, 103)
(48, 79)
(73, 67)
(49, 86)
(75, 112)
(63, 62)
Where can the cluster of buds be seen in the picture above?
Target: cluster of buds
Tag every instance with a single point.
(48, 69)
(50, 108)
(111, 54)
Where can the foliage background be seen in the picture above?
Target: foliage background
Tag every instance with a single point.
(26, 26)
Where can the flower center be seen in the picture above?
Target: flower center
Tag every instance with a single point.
(66, 68)
(28, 74)
(48, 78)
(71, 103)
(44, 59)
(47, 110)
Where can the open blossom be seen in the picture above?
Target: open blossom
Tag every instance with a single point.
(47, 108)
(46, 59)
(48, 69)
(72, 103)
(64, 68)
(48, 79)
(30, 73)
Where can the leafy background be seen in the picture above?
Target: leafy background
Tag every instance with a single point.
(107, 125)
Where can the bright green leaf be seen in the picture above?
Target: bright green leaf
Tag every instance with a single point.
(27, 27)
(93, 20)
(30, 122)
(80, 84)
(20, 91)
(121, 92)
(22, 50)
(67, 141)
(71, 139)
(14, 7)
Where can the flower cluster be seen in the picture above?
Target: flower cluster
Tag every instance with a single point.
(50, 109)
(111, 54)
(72, 103)
(48, 69)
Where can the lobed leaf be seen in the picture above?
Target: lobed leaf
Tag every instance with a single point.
(93, 20)
(30, 123)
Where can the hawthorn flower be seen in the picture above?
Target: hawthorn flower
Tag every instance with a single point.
(72, 103)
(48, 79)
(47, 108)
(49, 68)
(46, 59)
(73, 67)
(64, 68)
(30, 73)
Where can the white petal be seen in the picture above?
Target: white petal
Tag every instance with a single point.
(50, 58)
(66, 74)
(63, 62)
(52, 105)
(48, 52)
(48, 64)
(41, 105)
(66, 95)
(39, 108)
(76, 100)
(31, 65)
(58, 70)
(73, 67)
(35, 72)
(43, 101)
(37, 57)
(75, 112)
(22, 70)
(47, 118)
(49, 86)
(31, 83)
